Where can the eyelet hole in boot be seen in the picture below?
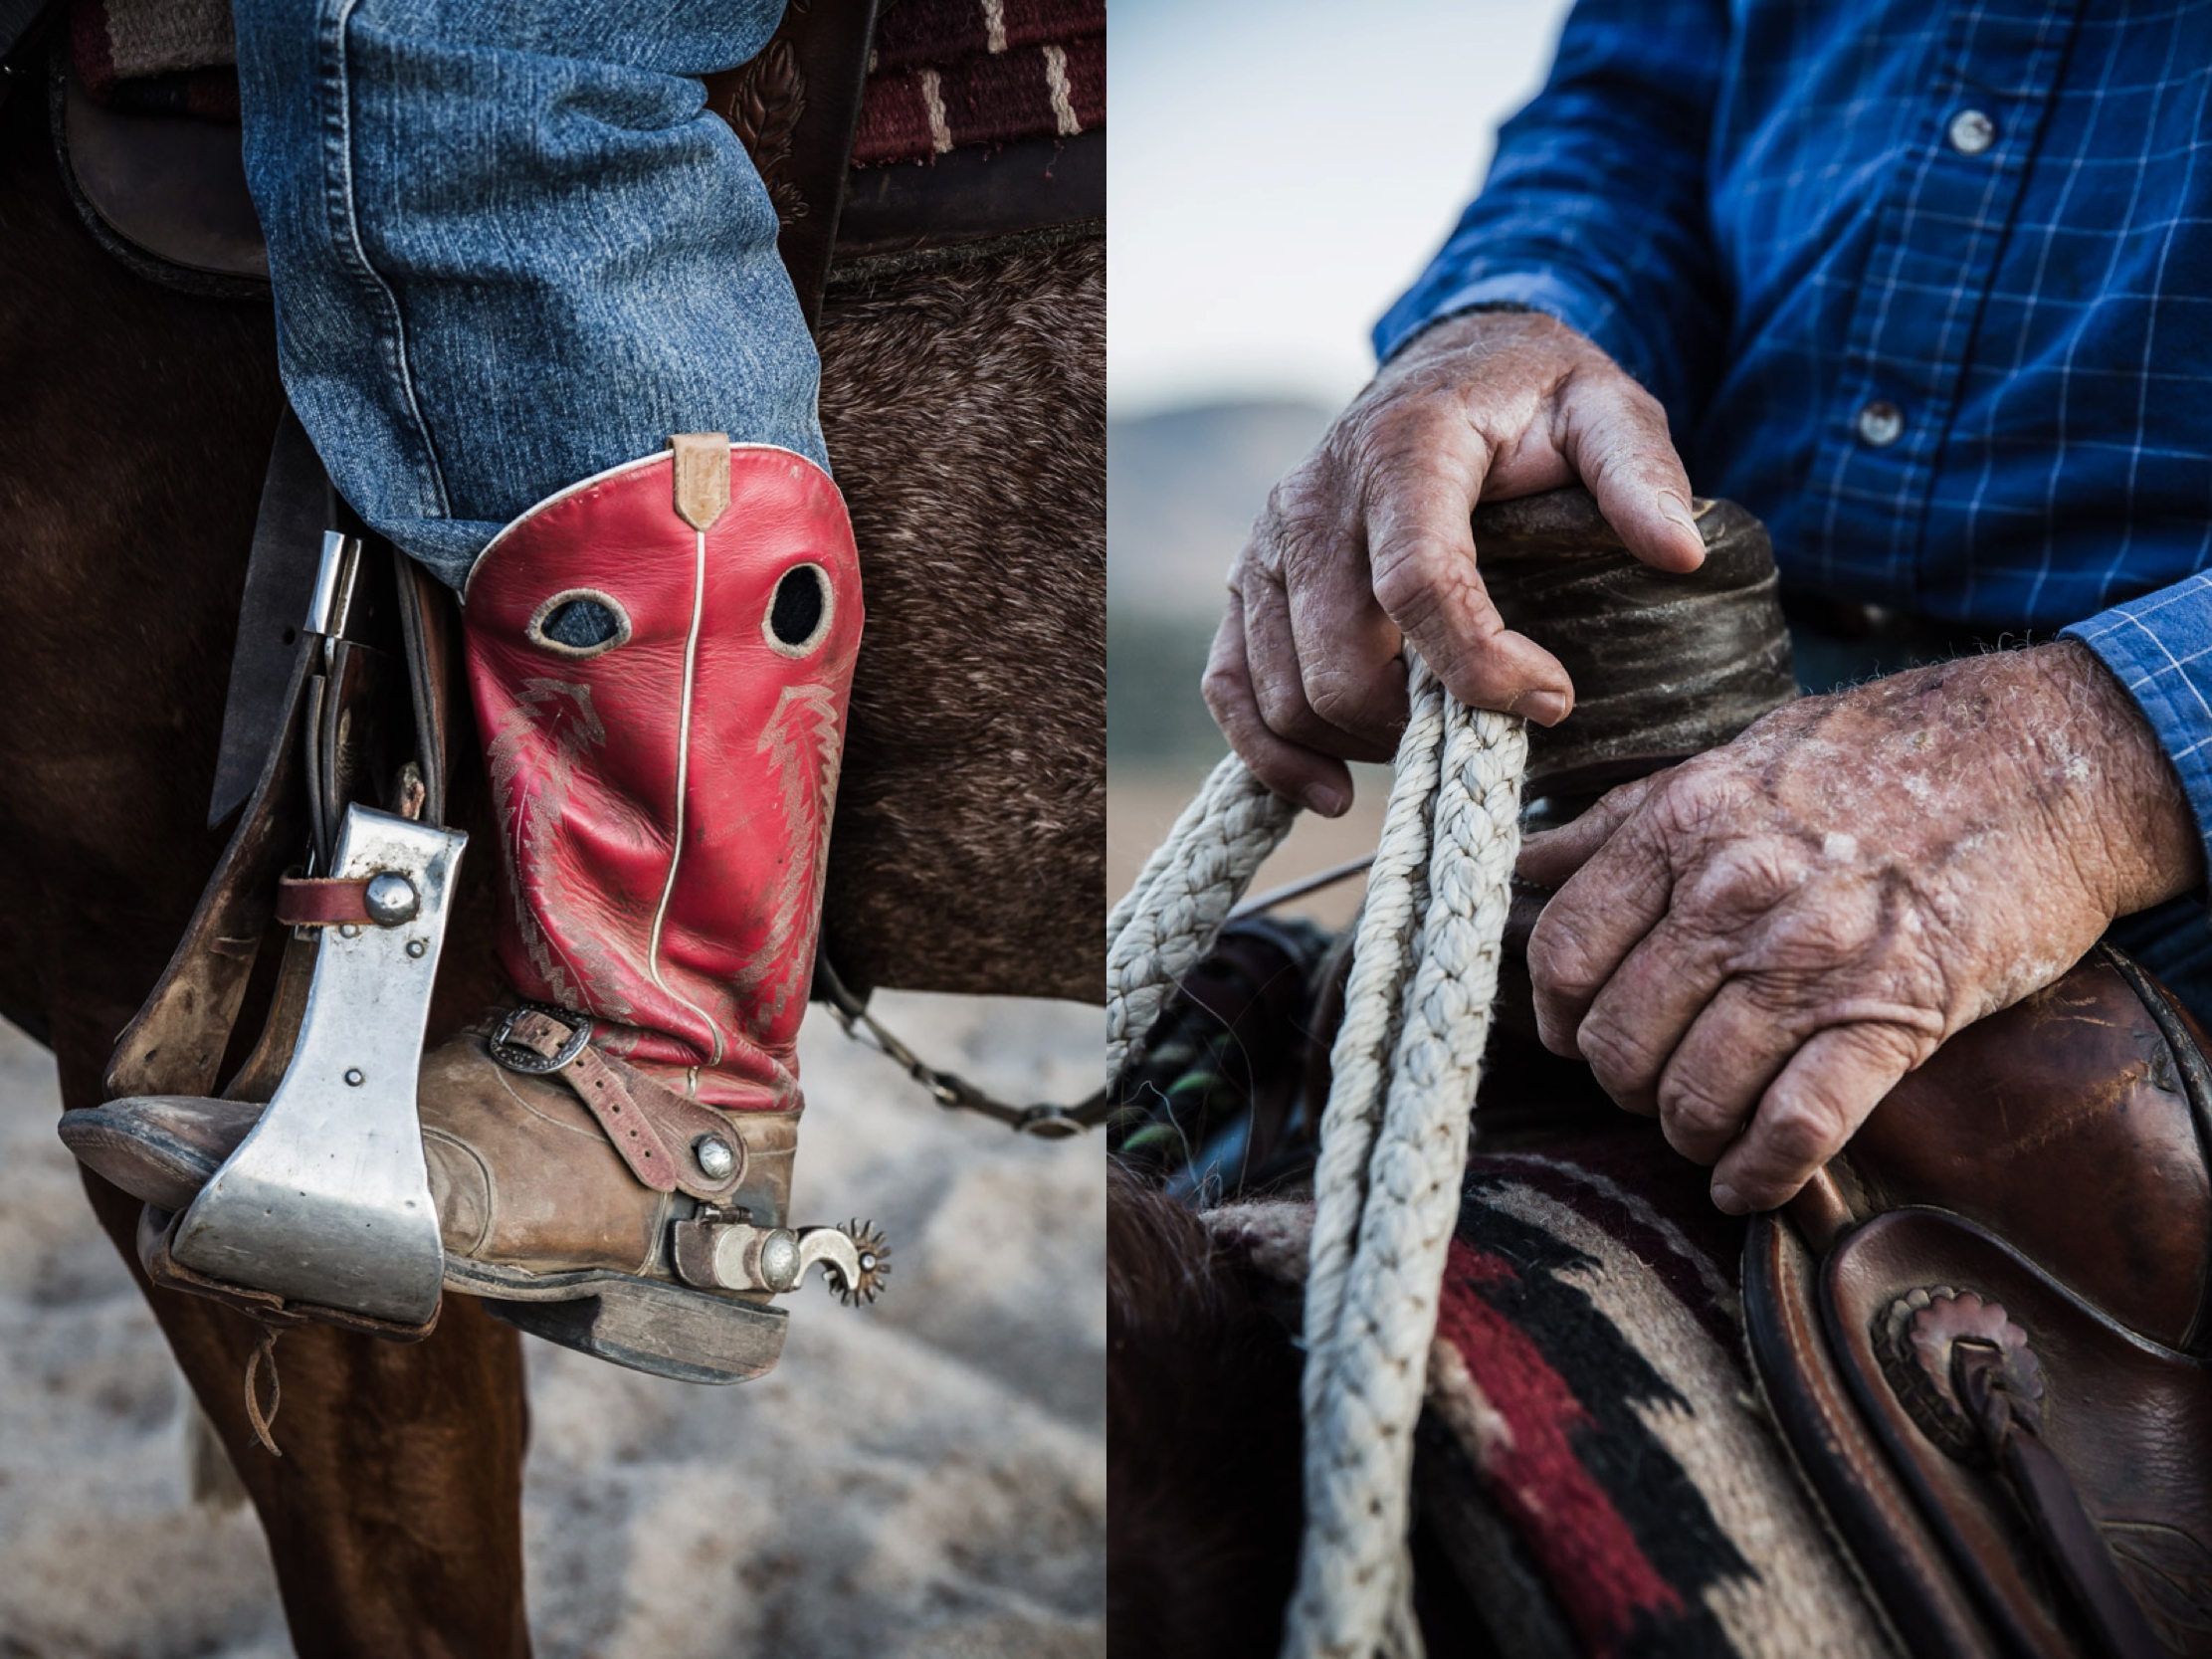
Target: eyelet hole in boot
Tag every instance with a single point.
(579, 622)
(799, 614)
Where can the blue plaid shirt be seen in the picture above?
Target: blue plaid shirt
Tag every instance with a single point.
(1925, 284)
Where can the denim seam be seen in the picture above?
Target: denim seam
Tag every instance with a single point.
(345, 236)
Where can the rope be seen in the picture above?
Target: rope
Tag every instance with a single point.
(1389, 1181)
(1171, 916)
(1394, 1133)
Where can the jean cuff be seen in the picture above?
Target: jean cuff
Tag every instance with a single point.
(2160, 646)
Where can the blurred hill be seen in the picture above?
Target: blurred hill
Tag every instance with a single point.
(1184, 487)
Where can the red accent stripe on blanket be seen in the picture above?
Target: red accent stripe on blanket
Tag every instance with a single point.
(1568, 1522)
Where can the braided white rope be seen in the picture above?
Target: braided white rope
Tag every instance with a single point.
(1393, 1151)
(1171, 916)
(1394, 1133)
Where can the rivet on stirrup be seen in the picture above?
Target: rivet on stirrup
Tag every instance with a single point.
(516, 1058)
(390, 900)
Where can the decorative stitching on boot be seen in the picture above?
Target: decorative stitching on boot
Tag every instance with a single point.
(682, 788)
(488, 1224)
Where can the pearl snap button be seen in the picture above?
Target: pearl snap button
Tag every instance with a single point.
(1881, 423)
(1971, 132)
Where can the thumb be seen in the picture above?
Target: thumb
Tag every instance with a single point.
(1614, 433)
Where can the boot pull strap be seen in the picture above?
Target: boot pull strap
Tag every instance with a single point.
(702, 476)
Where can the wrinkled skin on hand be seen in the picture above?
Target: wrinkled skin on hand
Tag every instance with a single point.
(1757, 945)
(1366, 544)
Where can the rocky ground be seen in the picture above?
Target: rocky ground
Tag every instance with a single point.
(923, 1478)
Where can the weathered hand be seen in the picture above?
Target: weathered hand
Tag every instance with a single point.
(1758, 944)
(1367, 541)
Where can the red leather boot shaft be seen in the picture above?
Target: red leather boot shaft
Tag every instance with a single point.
(664, 797)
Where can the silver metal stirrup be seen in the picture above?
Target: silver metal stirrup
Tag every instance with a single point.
(327, 1200)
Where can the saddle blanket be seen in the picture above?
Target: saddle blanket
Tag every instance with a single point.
(944, 75)
(1593, 1459)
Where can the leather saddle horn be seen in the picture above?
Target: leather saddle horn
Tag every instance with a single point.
(1985, 1333)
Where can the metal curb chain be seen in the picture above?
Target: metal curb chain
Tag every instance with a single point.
(948, 1089)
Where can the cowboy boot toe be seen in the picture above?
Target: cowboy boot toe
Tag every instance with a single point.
(160, 1148)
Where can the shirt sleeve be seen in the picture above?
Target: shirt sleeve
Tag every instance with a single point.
(1595, 209)
(2160, 648)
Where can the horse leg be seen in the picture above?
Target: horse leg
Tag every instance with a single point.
(134, 433)
(394, 1516)
(1203, 1504)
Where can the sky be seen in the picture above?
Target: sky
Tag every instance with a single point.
(1280, 170)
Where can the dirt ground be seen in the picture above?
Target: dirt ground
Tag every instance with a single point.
(924, 1478)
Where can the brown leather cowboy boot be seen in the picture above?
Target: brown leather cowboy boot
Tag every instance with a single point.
(660, 658)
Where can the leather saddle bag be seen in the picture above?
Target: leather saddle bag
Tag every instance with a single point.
(1984, 1331)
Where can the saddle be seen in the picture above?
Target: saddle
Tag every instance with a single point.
(1985, 1331)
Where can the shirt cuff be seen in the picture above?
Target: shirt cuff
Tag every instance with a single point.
(2160, 646)
(1578, 308)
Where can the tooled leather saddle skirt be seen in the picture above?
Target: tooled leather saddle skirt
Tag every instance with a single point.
(1986, 1330)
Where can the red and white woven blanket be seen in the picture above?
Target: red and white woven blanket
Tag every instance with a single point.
(946, 75)
(1588, 1390)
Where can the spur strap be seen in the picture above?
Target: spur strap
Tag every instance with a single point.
(668, 1140)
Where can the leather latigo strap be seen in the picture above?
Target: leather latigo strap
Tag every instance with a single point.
(323, 901)
(657, 1131)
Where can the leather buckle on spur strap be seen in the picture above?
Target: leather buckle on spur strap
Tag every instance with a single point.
(521, 1041)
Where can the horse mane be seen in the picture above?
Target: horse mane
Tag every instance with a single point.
(1202, 1432)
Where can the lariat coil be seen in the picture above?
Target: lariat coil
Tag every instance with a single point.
(1393, 1139)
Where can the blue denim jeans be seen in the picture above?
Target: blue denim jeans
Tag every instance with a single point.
(2172, 940)
(510, 248)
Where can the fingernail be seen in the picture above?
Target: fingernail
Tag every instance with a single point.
(1676, 510)
(1329, 803)
(1544, 708)
(1724, 1199)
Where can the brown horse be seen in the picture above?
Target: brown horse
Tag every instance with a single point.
(964, 401)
